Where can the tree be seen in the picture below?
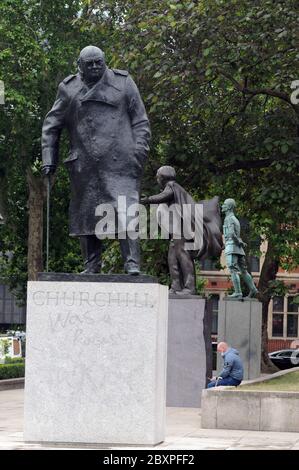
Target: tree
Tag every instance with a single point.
(39, 44)
(216, 78)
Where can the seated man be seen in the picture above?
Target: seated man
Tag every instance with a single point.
(232, 373)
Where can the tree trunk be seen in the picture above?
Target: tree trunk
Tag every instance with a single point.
(268, 274)
(35, 225)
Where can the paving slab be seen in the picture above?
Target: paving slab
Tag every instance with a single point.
(183, 432)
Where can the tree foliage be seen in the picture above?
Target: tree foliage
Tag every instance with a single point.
(216, 80)
(39, 44)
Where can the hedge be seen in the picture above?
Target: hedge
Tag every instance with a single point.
(14, 360)
(12, 371)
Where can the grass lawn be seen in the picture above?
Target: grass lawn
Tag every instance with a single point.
(285, 383)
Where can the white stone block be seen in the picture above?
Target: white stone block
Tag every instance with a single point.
(96, 362)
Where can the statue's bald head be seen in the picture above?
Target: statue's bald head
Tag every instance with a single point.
(91, 52)
(91, 64)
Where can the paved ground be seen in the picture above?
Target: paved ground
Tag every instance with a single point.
(183, 431)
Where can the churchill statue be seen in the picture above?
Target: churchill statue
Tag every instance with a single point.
(109, 135)
(234, 251)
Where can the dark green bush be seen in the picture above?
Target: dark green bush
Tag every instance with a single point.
(12, 371)
(14, 360)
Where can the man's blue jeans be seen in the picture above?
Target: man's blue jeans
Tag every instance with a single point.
(222, 382)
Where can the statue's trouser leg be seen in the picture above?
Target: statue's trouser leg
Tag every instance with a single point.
(130, 251)
(91, 248)
(247, 277)
(233, 267)
(174, 268)
(186, 264)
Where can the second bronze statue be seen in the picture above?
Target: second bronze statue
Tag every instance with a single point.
(206, 222)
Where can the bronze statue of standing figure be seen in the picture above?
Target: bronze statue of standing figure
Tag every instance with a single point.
(109, 135)
(180, 256)
(234, 252)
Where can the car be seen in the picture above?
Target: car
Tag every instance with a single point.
(285, 358)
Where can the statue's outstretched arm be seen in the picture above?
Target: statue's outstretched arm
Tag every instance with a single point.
(165, 196)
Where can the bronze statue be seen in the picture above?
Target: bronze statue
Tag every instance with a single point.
(109, 135)
(234, 251)
(180, 258)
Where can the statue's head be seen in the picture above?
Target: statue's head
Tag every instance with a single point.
(91, 64)
(165, 174)
(228, 205)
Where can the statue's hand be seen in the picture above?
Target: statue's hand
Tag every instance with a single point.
(48, 170)
(144, 200)
(242, 244)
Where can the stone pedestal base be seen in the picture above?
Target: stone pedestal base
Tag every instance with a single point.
(240, 325)
(96, 362)
(189, 350)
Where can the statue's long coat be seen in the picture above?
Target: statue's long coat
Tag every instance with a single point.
(109, 134)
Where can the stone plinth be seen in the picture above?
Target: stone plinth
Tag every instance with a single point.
(240, 325)
(226, 408)
(96, 362)
(189, 350)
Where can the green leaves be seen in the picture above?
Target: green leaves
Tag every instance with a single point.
(39, 42)
(207, 51)
(158, 74)
(192, 62)
(284, 148)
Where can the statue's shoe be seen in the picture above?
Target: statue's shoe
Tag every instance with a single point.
(171, 291)
(91, 271)
(133, 270)
(235, 295)
(185, 291)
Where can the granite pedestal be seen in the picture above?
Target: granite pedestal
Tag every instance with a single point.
(240, 325)
(96, 361)
(189, 357)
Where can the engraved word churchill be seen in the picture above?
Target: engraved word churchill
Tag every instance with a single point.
(99, 299)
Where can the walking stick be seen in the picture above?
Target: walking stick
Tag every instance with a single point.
(48, 223)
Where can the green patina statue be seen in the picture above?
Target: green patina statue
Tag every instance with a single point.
(234, 251)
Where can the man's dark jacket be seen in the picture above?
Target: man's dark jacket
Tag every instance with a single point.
(109, 136)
